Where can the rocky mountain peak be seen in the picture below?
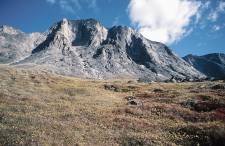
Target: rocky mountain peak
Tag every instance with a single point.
(86, 32)
(85, 48)
(120, 34)
(66, 29)
(9, 30)
(212, 65)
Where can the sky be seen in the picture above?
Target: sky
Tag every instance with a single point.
(186, 26)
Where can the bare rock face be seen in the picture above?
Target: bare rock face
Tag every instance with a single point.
(16, 45)
(86, 49)
(212, 65)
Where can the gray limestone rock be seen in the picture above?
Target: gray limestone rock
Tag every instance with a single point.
(212, 65)
(86, 49)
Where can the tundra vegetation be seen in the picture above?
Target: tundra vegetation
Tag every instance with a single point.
(40, 108)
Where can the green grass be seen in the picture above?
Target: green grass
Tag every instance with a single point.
(38, 108)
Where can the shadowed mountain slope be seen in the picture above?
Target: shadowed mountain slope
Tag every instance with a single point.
(212, 65)
(86, 49)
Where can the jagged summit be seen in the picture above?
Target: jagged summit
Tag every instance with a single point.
(69, 33)
(85, 48)
(9, 30)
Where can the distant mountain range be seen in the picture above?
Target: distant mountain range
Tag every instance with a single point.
(86, 49)
(212, 65)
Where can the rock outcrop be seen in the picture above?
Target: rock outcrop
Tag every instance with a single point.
(212, 65)
(86, 49)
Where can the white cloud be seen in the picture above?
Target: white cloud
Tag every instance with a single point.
(216, 28)
(221, 6)
(214, 15)
(64, 4)
(51, 1)
(74, 5)
(204, 6)
(163, 20)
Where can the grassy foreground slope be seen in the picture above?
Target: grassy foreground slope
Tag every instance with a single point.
(39, 108)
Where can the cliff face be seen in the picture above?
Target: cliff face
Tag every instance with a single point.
(85, 48)
(212, 65)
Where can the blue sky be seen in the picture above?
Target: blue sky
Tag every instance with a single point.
(187, 26)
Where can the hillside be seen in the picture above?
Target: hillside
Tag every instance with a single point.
(212, 65)
(40, 108)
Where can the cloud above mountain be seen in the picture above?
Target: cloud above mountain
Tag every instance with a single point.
(220, 9)
(166, 21)
(73, 5)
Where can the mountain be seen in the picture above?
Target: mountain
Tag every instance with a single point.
(212, 65)
(86, 49)
(16, 45)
